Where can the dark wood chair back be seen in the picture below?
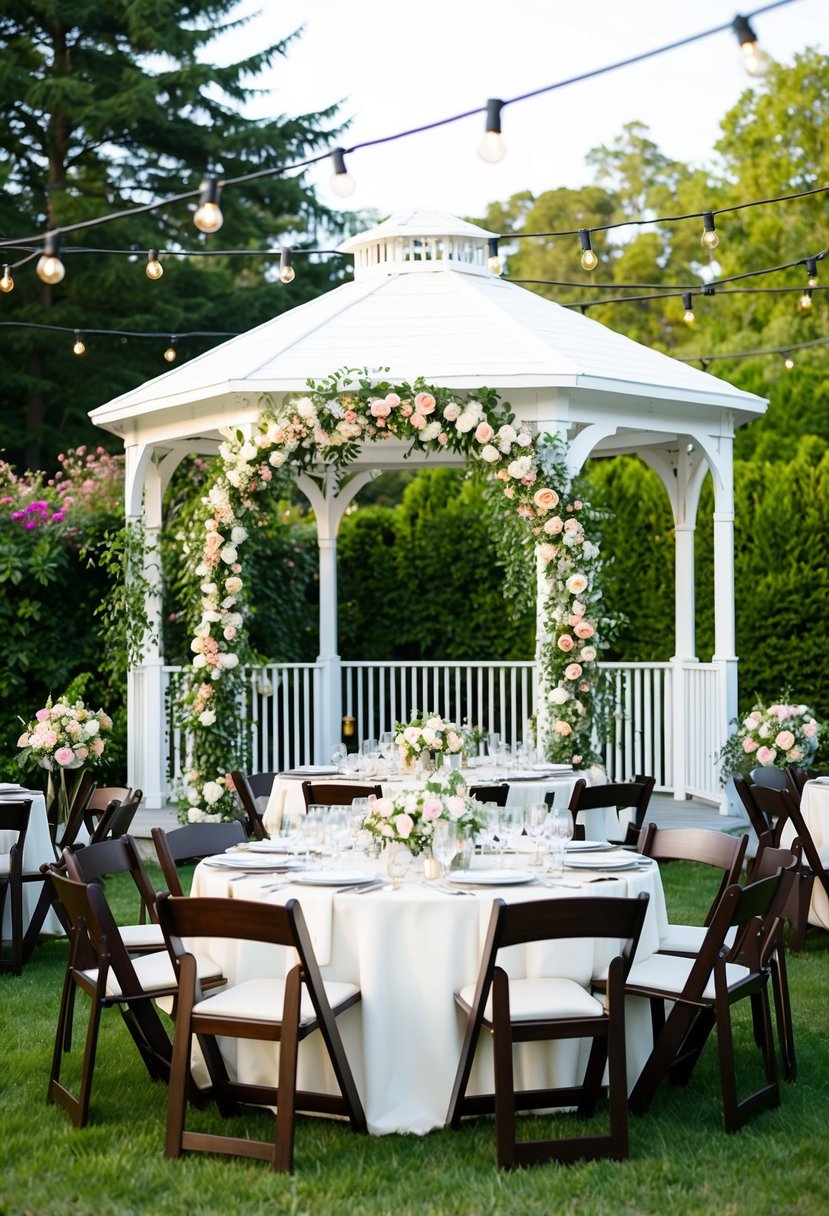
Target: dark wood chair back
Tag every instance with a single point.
(701, 845)
(117, 855)
(337, 793)
(182, 919)
(621, 921)
(497, 794)
(192, 842)
(116, 820)
(623, 795)
(248, 804)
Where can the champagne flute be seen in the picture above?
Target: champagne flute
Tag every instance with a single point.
(445, 844)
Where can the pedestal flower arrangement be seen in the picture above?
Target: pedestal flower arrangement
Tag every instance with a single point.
(782, 734)
(63, 739)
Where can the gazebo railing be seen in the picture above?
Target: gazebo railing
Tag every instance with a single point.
(281, 716)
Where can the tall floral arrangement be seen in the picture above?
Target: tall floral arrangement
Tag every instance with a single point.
(327, 426)
(779, 735)
(63, 736)
(410, 817)
(427, 733)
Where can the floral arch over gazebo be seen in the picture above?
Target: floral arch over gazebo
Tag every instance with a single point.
(327, 426)
(423, 303)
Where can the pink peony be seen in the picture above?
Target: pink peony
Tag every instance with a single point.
(64, 756)
(784, 740)
(483, 432)
(424, 403)
(42, 715)
(766, 755)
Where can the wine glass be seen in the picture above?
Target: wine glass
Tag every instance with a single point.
(338, 754)
(558, 832)
(493, 742)
(511, 826)
(388, 750)
(536, 828)
(445, 844)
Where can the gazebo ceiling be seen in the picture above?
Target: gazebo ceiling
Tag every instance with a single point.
(423, 303)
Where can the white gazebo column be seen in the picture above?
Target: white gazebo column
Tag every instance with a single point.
(724, 607)
(145, 693)
(329, 503)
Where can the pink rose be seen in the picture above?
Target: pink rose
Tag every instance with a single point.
(431, 808)
(588, 654)
(384, 807)
(392, 400)
(483, 432)
(42, 715)
(545, 498)
(565, 643)
(452, 412)
(97, 746)
(547, 553)
(443, 439)
(424, 403)
(455, 806)
(785, 740)
(584, 630)
(406, 409)
(750, 745)
(553, 526)
(766, 755)
(404, 825)
(23, 741)
(572, 671)
(379, 408)
(349, 416)
(418, 421)
(64, 756)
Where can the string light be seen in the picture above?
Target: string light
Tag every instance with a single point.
(805, 302)
(50, 269)
(171, 353)
(492, 147)
(788, 363)
(710, 238)
(589, 261)
(287, 274)
(755, 61)
(493, 260)
(79, 347)
(687, 303)
(341, 183)
(154, 269)
(7, 282)
(208, 216)
(811, 270)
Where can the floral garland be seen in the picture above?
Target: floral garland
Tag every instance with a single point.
(328, 426)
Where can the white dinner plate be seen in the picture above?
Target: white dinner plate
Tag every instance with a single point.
(251, 862)
(589, 846)
(311, 770)
(602, 863)
(259, 846)
(491, 878)
(334, 878)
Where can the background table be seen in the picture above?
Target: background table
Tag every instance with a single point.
(814, 805)
(38, 849)
(410, 950)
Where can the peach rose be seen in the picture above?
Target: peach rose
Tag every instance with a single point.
(584, 630)
(424, 403)
(418, 421)
(483, 432)
(785, 740)
(545, 498)
(565, 643)
(562, 728)
(553, 526)
(572, 671)
(766, 755)
(380, 408)
(547, 553)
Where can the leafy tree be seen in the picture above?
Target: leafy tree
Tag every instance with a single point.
(108, 107)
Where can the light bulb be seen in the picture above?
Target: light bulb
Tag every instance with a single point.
(688, 315)
(812, 280)
(806, 300)
(341, 183)
(78, 348)
(7, 282)
(287, 274)
(589, 261)
(755, 61)
(493, 261)
(50, 268)
(154, 268)
(208, 216)
(492, 147)
(170, 353)
(788, 363)
(710, 238)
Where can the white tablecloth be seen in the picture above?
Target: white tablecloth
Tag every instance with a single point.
(814, 805)
(410, 950)
(38, 849)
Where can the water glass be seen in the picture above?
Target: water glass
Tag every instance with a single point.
(445, 843)
(537, 827)
(338, 754)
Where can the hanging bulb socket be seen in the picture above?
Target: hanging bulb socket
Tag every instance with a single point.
(493, 260)
(589, 261)
(806, 300)
(687, 303)
(341, 183)
(287, 274)
(811, 270)
(171, 354)
(208, 216)
(788, 363)
(492, 147)
(50, 269)
(755, 61)
(154, 269)
(79, 347)
(710, 237)
(7, 282)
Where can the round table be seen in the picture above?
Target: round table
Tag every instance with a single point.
(38, 849)
(814, 806)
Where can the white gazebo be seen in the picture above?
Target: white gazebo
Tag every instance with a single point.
(424, 303)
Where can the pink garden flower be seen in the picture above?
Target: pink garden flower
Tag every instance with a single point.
(766, 755)
(565, 643)
(64, 756)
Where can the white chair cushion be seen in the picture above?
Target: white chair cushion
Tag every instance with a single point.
(263, 999)
(669, 973)
(142, 937)
(155, 973)
(687, 939)
(543, 998)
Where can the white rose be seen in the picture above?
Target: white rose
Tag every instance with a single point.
(520, 468)
(207, 717)
(431, 431)
(212, 792)
(559, 696)
(230, 660)
(490, 454)
(276, 459)
(229, 555)
(91, 727)
(247, 452)
(238, 534)
(199, 661)
(466, 422)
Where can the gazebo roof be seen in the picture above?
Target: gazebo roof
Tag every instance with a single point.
(423, 303)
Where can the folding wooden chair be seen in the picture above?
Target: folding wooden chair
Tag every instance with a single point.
(773, 949)
(771, 811)
(100, 966)
(633, 796)
(270, 1009)
(99, 801)
(191, 843)
(120, 856)
(334, 793)
(14, 817)
(116, 819)
(702, 991)
(519, 1011)
(245, 791)
(496, 794)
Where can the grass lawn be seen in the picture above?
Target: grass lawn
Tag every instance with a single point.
(681, 1160)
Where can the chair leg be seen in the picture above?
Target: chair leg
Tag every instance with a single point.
(728, 1079)
(180, 1066)
(283, 1149)
(798, 909)
(504, 1076)
(783, 1013)
(617, 1067)
(62, 1033)
(665, 1049)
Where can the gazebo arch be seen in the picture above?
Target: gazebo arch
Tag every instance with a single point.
(423, 303)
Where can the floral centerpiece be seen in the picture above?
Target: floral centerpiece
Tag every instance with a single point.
(410, 817)
(62, 738)
(782, 734)
(427, 736)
